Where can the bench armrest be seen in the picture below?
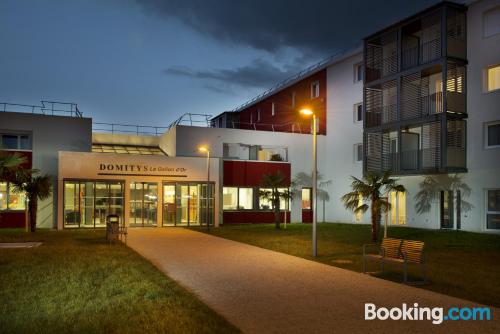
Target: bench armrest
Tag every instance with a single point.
(367, 246)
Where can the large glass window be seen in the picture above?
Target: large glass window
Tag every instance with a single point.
(245, 198)
(229, 198)
(88, 203)
(267, 204)
(493, 209)
(186, 204)
(143, 204)
(10, 199)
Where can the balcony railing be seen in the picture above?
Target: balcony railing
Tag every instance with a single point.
(421, 54)
(52, 108)
(412, 160)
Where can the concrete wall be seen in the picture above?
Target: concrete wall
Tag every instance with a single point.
(49, 134)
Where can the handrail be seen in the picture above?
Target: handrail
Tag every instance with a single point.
(192, 119)
(53, 108)
(128, 128)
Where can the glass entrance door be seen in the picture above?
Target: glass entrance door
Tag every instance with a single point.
(143, 204)
(184, 204)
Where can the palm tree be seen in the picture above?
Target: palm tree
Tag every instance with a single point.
(371, 188)
(37, 187)
(274, 182)
(304, 180)
(10, 164)
(432, 186)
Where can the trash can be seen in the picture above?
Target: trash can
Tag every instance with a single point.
(112, 227)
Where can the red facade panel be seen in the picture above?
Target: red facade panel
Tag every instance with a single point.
(249, 173)
(12, 219)
(287, 104)
(252, 217)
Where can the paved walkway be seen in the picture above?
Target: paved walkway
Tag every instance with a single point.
(262, 291)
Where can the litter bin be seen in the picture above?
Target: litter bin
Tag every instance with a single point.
(112, 227)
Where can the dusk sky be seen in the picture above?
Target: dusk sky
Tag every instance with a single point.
(148, 62)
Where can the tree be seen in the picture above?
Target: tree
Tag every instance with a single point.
(36, 187)
(274, 182)
(371, 188)
(432, 186)
(10, 164)
(304, 180)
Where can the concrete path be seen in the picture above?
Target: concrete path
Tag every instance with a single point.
(262, 291)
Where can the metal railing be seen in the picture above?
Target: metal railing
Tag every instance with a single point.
(293, 127)
(52, 108)
(139, 130)
(192, 119)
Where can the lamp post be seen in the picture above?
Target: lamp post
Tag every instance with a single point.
(207, 208)
(309, 112)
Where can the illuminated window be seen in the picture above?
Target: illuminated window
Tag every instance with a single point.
(273, 110)
(266, 204)
(229, 198)
(493, 78)
(293, 100)
(398, 208)
(10, 199)
(315, 89)
(245, 199)
(358, 216)
(306, 198)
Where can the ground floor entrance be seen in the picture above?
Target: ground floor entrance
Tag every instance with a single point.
(87, 203)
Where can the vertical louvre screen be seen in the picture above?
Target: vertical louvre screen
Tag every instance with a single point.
(431, 147)
(373, 106)
(373, 149)
(389, 101)
(410, 96)
(430, 47)
(455, 144)
(455, 33)
(455, 88)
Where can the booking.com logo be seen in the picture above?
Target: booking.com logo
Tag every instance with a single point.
(436, 314)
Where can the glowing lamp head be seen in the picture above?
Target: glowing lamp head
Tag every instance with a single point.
(306, 112)
(203, 149)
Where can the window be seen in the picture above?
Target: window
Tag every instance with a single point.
(493, 209)
(229, 198)
(358, 152)
(493, 78)
(315, 89)
(235, 198)
(493, 135)
(293, 100)
(358, 112)
(10, 199)
(258, 115)
(491, 21)
(398, 208)
(245, 198)
(266, 204)
(306, 198)
(358, 72)
(272, 109)
(125, 149)
(15, 142)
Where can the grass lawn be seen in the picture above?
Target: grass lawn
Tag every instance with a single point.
(76, 283)
(461, 264)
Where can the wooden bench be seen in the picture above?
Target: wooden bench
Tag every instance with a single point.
(398, 251)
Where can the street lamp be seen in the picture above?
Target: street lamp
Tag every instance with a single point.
(205, 149)
(309, 112)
